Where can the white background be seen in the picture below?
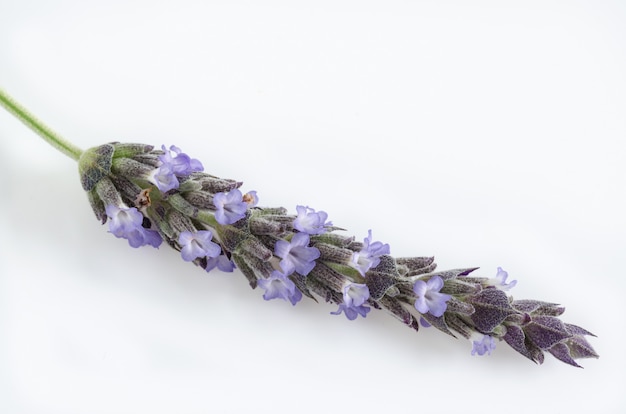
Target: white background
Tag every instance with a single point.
(486, 133)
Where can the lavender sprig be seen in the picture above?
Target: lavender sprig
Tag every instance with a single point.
(291, 256)
(149, 196)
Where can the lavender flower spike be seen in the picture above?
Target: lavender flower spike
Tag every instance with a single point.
(213, 225)
(149, 196)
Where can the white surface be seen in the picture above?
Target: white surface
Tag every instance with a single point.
(488, 135)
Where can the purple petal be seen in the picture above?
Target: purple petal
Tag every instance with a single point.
(279, 286)
(164, 178)
(483, 346)
(230, 207)
(197, 244)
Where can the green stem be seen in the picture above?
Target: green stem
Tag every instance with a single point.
(39, 127)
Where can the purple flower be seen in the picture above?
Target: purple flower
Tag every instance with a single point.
(146, 237)
(221, 262)
(428, 297)
(278, 285)
(198, 244)
(297, 255)
(369, 256)
(500, 280)
(126, 223)
(180, 164)
(354, 296)
(230, 206)
(164, 178)
(310, 222)
(482, 346)
(352, 312)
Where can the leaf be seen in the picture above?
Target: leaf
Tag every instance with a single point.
(545, 331)
(516, 339)
(580, 348)
(561, 352)
(491, 308)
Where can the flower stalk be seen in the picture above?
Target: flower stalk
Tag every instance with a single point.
(39, 127)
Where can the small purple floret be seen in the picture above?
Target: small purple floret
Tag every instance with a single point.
(164, 178)
(354, 296)
(230, 206)
(279, 286)
(198, 244)
(297, 255)
(483, 346)
(500, 280)
(369, 256)
(352, 312)
(180, 164)
(222, 262)
(311, 222)
(126, 223)
(429, 300)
